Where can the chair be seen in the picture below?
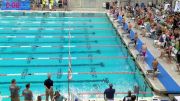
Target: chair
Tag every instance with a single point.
(120, 19)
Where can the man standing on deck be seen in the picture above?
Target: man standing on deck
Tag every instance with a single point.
(14, 91)
(128, 97)
(48, 83)
(109, 93)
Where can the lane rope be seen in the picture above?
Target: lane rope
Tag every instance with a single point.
(61, 46)
(57, 37)
(67, 58)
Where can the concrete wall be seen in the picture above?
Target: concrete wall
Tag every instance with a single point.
(87, 4)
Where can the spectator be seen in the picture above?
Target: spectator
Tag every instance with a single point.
(60, 3)
(155, 67)
(65, 4)
(167, 51)
(28, 96)
(51, 4)
(58, 97)
(49, 88)
(129, 27)
(178, 60)
(43, 4)
(161, 42)
(39, 98)
(143, 51)
(109, 93)
(135, 39)
(14, 91)
(177, 44)
(128, 97)
(133, 98)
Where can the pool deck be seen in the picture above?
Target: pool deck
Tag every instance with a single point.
(170, 68)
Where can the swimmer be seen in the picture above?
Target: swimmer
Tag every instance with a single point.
(143, 51)
(155, 67)
(129, 27)
(135, 39)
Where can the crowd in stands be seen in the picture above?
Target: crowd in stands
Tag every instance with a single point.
(161, 25)
(49, 4)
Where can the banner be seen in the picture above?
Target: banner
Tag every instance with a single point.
(15, 5)
(177, 6)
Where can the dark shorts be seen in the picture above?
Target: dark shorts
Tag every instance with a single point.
(135, 42)
(178, 59)
(155, 69)
(143, 53)
(111, 7)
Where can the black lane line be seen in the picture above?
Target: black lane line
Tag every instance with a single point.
(63, 65)
(73, 52)
(95, 41)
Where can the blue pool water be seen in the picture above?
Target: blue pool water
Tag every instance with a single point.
(43, 42)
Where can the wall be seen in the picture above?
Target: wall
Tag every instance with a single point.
(87, 4)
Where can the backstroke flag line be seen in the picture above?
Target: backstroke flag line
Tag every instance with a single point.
(70, 74)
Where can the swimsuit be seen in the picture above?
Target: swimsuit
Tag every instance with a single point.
(144, 53)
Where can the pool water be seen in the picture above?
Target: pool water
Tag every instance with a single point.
(38, 43)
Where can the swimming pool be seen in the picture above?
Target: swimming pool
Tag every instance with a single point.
(33, 44)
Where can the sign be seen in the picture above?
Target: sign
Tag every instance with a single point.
(15, 5)
(177, 6)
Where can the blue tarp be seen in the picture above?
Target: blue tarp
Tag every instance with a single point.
(125, 27)
(139, 45)
(120, 19)
(167, 81)
(170, 85)
(132, 34)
